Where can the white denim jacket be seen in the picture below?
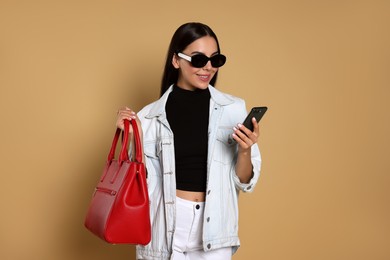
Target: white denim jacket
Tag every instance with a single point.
(220, 228)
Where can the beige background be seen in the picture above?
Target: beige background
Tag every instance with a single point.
(322, 67)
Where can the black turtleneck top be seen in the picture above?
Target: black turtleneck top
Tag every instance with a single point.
(188, 116)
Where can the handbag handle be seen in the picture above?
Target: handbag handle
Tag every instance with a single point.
(124, 155)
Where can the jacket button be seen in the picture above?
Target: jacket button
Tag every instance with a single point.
(208, 192)
(208, 219)
(197, 206)
(208, 246)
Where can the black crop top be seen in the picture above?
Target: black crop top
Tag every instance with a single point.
(188, 116)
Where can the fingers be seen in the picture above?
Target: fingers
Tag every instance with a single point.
(255, 127)
(125, 113)
(244, 137)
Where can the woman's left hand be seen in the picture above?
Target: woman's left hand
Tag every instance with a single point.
(244, 137)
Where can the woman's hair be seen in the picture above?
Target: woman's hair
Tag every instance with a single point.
(184, 36)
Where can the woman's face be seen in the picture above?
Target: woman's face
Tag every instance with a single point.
(191, 78)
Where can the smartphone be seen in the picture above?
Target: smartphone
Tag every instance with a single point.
(256, 112)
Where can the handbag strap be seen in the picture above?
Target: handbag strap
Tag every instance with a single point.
(124, 154)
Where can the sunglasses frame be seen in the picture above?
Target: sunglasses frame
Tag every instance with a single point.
(189, 59)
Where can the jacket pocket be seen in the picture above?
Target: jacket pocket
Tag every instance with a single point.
(226, 146)
(152, 151)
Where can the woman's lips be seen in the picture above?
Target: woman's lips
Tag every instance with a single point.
(204, 78)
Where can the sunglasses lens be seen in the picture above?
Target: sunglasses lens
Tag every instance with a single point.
(199, 60)
(218, 60)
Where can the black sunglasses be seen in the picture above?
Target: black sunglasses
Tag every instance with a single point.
(200, 60)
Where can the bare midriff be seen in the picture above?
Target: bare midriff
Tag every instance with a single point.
(197, 196)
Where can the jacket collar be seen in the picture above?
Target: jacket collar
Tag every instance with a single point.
(217, 96)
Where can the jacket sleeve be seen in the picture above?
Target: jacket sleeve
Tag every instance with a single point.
(255, 158)
(256, 163)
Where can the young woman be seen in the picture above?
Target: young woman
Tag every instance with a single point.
(198, 156)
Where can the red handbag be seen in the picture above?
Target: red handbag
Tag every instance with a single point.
(119, 210)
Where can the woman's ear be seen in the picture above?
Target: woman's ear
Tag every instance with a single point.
(175, 61)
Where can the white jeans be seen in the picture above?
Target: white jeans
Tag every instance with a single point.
(187, 240)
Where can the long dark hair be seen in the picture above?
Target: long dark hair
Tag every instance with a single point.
(184, 36)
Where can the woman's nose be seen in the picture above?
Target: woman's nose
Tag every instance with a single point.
(207, 66)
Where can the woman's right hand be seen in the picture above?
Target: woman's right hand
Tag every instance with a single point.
(126, 113)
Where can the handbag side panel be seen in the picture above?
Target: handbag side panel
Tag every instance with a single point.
(129, 221)
(103, 201)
